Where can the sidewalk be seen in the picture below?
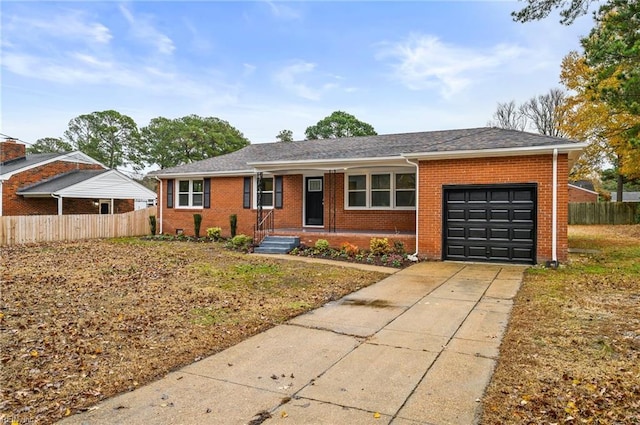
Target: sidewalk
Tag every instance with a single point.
(418, 347)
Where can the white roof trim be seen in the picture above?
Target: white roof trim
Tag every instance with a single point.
(582, 188)
(195, 174)
(480, 153)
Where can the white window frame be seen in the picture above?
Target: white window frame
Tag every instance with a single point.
(189, 193)
(272, 191)
(368, 189)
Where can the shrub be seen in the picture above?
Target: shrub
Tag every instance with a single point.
(379, 246)
(350, 249)
(197, 221)
(322, 245)
(398, 247)
(233, 221)
(240, 242)
(152, 224)
(214, 233)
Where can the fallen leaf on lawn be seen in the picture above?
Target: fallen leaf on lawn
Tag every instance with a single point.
(376, 415)
(283, 414)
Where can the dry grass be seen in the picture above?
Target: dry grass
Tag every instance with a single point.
(83, 321)
(571, 353)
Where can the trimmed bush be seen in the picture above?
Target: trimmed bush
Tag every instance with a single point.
(214, 233)
(240, 242)
(152, 224)
(233, 221)
(379, 246)
(322, 245)
(197, 221)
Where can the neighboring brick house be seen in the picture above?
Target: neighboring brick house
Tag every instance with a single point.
(578, 193)
(482, 194)
(62, 183)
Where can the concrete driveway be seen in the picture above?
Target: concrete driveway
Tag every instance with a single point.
(418, 347)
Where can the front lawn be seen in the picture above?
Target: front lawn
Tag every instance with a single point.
(571, 354)
(83, 321)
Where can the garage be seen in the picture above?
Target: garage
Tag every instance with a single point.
(490, 223)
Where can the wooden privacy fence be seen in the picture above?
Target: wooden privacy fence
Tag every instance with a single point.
(604, 213)
(15, 230)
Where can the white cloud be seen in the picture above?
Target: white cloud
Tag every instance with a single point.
(425, 62)
(143, 30)
(283, 11)
(300, 79)
(70, 25)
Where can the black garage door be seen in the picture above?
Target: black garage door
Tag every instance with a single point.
(490, 223)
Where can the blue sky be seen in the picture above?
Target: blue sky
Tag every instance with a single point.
(265, 66)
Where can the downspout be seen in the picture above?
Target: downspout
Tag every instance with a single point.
(59, 198)
(414, 256)
(159, 203)
(554, 211)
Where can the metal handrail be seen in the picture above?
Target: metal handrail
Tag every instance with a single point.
(263, 228)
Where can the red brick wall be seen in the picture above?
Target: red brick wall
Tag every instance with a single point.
(579, 195)
(13, 204)
(526, 169)
(226, 199)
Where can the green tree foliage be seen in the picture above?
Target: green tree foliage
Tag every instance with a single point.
(285, 136)
(540, 9)
(612, 49)
(171, 142)
(107, 136)
(49, 145)
(339, 124)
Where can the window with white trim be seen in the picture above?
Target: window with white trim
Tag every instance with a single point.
(267, 192)
(190, 193)
(378, 190)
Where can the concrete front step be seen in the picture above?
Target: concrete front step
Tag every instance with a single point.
(277, 245)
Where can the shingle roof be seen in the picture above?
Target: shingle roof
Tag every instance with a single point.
(355, 148)
(60, 182)
(27, 161)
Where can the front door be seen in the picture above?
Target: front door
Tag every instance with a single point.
(314, 214)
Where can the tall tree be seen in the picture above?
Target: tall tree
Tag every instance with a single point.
(507, 115)
(49, 145)
(612, 49)
(544, 112)
(170, 142)
(107, 136)
(540, 9)
(339, 124)
(285, 136)
(590, 118)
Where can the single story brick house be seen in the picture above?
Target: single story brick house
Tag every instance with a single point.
(480, 194)
(62, 183)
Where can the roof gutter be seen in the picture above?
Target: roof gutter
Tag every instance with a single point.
(472, 153)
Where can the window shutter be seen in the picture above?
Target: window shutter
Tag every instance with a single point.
(207, 193)
(246, 195)
(170, 193)
(278, 190)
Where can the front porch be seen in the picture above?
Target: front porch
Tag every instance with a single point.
(360, 238)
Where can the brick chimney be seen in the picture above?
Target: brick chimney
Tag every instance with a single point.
(10, 150)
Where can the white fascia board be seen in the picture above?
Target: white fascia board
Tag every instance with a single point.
(582, 188)
(483, 153)
(203, 174)
(75, 156)
(328, 164)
